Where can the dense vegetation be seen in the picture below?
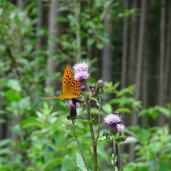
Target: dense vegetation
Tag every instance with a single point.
(125, 43)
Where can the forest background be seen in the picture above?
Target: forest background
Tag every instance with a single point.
(126, 43)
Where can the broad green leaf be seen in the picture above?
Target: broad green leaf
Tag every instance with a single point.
(51, 164)
(80, 162)
(14, 84)
(107, 108)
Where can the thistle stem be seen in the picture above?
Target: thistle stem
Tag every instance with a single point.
(79, 146)
(94, 144)
(118, 161)
(114, 153)
(117, 156)
(99, 119)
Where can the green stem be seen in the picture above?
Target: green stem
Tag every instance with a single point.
(118, 161)
(99, 119)
(79, 146)
(117, 155)
(114, 154)
(94, 145)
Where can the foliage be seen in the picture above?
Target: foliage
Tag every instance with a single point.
(153, 150)
(40, 136)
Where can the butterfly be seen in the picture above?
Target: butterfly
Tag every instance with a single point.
(70, 86)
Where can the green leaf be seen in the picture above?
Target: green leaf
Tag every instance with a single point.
(30, 122)
(107, 108)
(126, 91)
(130, 140)
(80, 162)
(5, 151)
(123, 110)
(12, 95)
(5, 142)
(51, 164)
(165, 111)
(17, 129)
(14, 85)
(25, 103)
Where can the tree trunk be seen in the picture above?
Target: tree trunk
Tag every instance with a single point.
(138, 74)
(161, 97)
(39, 24)
(77, 8)
(168, 52)
(140, 53)
(52, 33)
(133, 45)
(125, 49)
(107, 50)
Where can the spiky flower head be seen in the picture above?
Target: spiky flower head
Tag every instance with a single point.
(81, 71)
(120, 127)
(112, 119)
(114, 122)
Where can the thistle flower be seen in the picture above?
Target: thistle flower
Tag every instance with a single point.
(112, 119)
(81, 71)
(120, 127)
(71, 105)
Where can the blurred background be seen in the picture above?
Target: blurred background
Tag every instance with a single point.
(126, 43)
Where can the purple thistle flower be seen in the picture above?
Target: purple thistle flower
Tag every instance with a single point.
(81, 71)
(79, 67)
(71, 105)
(120, 127)
(112, 119)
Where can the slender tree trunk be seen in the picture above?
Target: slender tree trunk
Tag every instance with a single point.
(145, 77)
(39, 24)
(145, 73)
(162, 94)
(20, 3)
(3, 126)
(125, 49)
(52, 33)
(107, 50)
(140, 54)
(77, 8)
(168, 52)
(133, 45)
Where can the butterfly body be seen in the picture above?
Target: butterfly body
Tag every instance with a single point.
(70, 86)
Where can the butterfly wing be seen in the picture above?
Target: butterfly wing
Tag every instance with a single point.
(70, 86)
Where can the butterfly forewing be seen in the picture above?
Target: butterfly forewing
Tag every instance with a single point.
(70, 86)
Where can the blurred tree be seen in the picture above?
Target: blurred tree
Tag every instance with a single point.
(107, 50)
(162, 59)
(52, 45)
(125, 47)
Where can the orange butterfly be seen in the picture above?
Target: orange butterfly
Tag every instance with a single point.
(70, 86)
